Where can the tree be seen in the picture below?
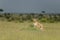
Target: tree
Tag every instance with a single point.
(1, 10)
(43, 11)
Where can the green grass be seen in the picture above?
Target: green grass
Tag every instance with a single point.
(26, 31)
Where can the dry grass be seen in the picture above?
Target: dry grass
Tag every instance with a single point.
(25, 31)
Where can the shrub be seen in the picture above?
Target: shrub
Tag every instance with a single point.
(51, 21)
(43, 20)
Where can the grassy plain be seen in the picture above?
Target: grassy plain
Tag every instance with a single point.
(25, 31)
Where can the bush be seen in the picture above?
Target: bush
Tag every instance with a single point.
(51, 21)
(21, 20)
(43, 20)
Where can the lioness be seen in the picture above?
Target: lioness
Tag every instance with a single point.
(37, 24)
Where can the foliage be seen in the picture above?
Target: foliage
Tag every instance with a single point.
(28, 17)
(1, 10)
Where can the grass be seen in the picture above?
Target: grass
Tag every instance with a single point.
(25, 31)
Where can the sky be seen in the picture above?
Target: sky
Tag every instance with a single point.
(30, 6)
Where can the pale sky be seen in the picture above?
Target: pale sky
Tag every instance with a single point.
(28, 6)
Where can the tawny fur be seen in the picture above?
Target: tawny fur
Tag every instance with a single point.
(37, 24)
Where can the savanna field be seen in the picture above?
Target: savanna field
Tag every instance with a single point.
(26, 31)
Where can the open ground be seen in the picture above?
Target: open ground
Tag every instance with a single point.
(26, 31)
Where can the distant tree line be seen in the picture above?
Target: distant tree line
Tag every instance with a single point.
(21, 17)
